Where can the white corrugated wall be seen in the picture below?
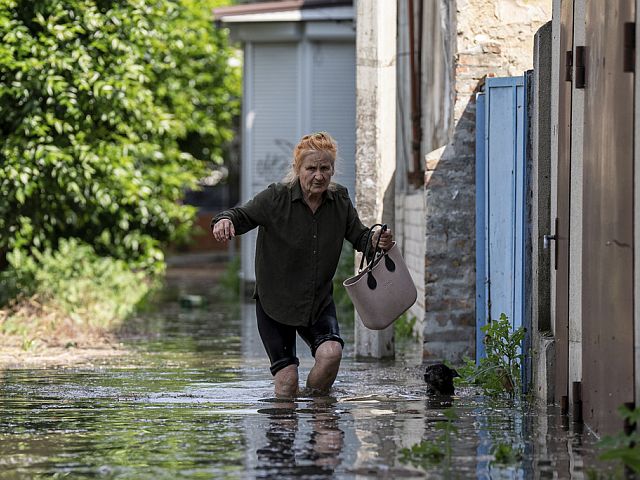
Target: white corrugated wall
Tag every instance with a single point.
(291, 89)
(333, 103)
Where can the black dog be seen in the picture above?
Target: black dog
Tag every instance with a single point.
(439, 379)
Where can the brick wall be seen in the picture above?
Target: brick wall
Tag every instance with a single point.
(410, 234)
(492, 38)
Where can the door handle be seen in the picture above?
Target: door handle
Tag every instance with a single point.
(546, 239)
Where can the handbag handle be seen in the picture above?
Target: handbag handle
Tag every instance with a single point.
(383, 228)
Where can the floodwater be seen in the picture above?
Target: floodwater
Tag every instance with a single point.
(194, 400)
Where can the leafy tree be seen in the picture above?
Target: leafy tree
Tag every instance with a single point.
(109, 110)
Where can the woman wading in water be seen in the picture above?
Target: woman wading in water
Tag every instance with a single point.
(301, 226)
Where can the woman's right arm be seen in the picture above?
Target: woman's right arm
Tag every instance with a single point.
(239, 220)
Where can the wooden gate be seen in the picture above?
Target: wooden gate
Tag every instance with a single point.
(607, 277)
(500, 179)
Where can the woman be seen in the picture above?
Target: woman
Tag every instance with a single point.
(302, 223)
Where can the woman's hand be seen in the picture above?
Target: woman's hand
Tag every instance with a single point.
(223, 230)
(386, 240)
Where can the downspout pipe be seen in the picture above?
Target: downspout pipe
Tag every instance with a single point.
(416, 176)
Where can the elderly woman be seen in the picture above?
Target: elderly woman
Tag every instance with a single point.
(302, 223)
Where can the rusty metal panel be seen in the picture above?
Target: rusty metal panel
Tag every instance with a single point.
(561, 330)
(607, 277)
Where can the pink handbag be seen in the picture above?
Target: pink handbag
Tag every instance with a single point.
(383, 290)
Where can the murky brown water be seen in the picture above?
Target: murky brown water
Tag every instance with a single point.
(194, 400)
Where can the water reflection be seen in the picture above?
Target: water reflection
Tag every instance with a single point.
(300, 442)
(193, 402)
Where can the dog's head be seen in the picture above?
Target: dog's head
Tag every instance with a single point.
(439, 379)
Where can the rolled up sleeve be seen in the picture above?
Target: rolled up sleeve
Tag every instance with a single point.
(250, 215)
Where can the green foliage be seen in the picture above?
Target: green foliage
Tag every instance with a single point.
(428, 452)
(403, 327)
(505, 454)
(345, 270)
(499, 371)
(109, 110)
(229, 282)
(624, 447)
(84, 287)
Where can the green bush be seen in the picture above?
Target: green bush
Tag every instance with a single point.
(109, 110)
(76, 283)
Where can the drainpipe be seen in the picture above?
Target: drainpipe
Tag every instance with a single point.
(415, 177)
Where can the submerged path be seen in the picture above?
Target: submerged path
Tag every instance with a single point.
(194, 400)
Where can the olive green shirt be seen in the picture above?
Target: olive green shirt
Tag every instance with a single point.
(297, 251)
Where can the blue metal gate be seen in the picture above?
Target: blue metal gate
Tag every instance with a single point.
(500, 203)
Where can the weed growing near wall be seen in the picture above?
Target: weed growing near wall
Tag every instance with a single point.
(500, 370)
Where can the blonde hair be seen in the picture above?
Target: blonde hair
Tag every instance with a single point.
(320, 144)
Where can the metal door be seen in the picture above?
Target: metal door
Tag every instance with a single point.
(500, 172)
(607, 277)
(560, 258)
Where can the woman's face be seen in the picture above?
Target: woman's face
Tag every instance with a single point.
(315, 174)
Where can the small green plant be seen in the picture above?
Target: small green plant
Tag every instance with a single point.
(340, 297)
(499, 371)
(505, 454)
(403, 327)
(29, 344)
(625, 446)
(434, 452)
(229, 282)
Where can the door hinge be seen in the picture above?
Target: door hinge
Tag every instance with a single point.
(577, 402)
(630, 47)
(568, 75)
(581, 69)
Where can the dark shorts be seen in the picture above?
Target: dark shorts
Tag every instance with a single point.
(279, 340)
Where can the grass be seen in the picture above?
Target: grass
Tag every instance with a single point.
(68, 295)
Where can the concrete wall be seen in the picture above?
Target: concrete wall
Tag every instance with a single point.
(492, 38)
(375, 137)
(540, 221)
